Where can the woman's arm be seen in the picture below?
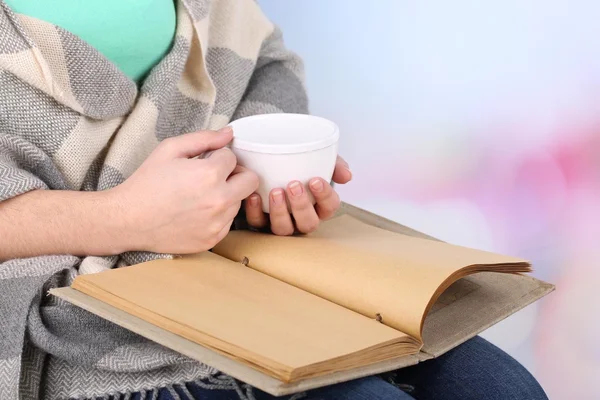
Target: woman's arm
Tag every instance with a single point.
(36, 221)
(61, 222)
(156, 209)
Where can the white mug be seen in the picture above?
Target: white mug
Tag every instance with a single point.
(281, 148)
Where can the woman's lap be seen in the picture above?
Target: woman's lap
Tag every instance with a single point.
(370, 388)
(475, 370)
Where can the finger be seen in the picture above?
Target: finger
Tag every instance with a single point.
(328, 201)
(194, 144)
(238, 168)
(223, 161)
(303, 210)
(281, 220)
(242, 184)
(226, 222)
(232, 212)
(254, 213)
(342, 173)
(221, 235)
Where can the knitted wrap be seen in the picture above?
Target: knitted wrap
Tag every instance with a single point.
(71, 120)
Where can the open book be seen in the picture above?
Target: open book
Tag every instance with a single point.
(290, 313)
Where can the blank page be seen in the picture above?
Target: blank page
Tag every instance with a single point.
(364, 268)
(237, 310)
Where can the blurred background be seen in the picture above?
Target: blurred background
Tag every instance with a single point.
(477, 122)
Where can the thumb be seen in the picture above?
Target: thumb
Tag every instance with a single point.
(194, 144)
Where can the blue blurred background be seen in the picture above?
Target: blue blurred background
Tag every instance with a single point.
(477, 122)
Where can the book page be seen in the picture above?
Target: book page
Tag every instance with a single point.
(475, 303)
(375, 272)
(247, 315)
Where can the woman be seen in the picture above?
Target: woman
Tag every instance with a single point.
(104, 107)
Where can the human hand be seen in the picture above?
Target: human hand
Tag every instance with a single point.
(305, 217)
(176, 204)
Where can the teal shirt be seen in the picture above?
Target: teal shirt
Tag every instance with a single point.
(134, 34)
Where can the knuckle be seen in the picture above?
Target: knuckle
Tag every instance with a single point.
(220, 203)
(326, 194)
(233, 209)
(226, 155)
(330, 208)
(212, 242)
(331, 212)
(212, 204)
(209, 174)
(167, 144)
(278, 212)
(302, 206)
(211, 169)
(253, 179)
(214, 229)
(201, 245)
(256, 217)
(254, 213)
(282, 230)
(336, 207)
(229, 153)
(310, 226)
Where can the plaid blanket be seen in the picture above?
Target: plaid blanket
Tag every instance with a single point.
(71, 120)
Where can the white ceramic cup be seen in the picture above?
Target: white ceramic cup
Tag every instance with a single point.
(281, 148)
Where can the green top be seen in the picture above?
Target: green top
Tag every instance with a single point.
(134, 34)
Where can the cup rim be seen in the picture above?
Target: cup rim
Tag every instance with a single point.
(303, 147)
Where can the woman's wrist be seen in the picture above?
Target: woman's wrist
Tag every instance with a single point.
(64, 222)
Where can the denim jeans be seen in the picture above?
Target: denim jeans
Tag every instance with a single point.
(475, 370)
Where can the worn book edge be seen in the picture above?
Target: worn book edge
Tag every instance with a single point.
(444, 341)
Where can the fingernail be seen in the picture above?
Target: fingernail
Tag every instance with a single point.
(317, 185)
(296, 188)
(253, 200)
(226, 129)
(277, 197)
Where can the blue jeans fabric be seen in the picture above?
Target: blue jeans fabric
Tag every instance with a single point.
(475, 370)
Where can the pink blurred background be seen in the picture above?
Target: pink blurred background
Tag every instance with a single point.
(478, 123)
